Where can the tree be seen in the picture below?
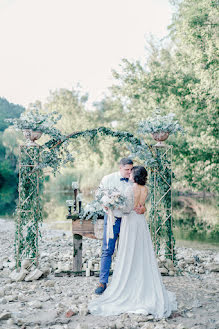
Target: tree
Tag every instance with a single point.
(8, 158)
(181, 77)
(8, 110)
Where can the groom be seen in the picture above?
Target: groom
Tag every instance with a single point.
(119, 180)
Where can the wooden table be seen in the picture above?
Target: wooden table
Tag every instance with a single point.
(87, 229)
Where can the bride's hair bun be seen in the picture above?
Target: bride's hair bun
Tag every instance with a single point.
(139, 175)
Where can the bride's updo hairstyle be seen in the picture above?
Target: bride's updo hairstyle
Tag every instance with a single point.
(139, 174)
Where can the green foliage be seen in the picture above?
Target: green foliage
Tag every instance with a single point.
(8, 179)
(8, 110)
(181, 77)
(8, 158)
(33, 159)
(93, 211)
(160, 215)
(159, 123)
(29, 210)
(8, 186)
(34, 119)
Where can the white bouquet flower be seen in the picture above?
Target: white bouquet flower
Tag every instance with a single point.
(110, 198)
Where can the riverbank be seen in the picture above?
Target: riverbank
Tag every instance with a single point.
(43, 303)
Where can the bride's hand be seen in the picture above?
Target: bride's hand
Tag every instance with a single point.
(140, 209)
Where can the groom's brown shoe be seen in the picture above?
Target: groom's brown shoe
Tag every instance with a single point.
(100, 289)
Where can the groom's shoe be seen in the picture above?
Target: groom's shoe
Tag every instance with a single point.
(100, 289)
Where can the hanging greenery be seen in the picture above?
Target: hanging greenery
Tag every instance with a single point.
(160, 216)
(29, 210)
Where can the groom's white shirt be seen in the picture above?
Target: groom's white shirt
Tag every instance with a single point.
(113, 180)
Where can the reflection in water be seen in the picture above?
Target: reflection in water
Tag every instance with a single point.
(196, 220)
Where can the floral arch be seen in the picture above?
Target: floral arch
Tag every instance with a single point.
(34, 158)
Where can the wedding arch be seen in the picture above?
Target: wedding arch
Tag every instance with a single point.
(33, 158)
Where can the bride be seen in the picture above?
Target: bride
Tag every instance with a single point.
(136, 285)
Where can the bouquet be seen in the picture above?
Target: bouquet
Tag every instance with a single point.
(110, 198)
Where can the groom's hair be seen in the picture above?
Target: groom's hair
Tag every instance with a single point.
(126, 161)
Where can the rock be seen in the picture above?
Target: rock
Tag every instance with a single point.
(18, 276)
(83, 310)
(58, 290)
(179, 257)
(182, 264)
(159, 326)
(46, 270)
(213, 267)
(163, 271)
(148, 326)
(2, 292)
(26, 263)
(49, 283)
(169, 263)
(10, 322)
(150, 317)
(119, 324)
(22, 298)
(44, 299)
(35, 304)
(5, 316)
(54, 265)
(81, 326)
(3, 301)
(162, 259)
(12, 265)
(171, 273)
(74, 308)
(34, 275)
(11, 298)
(124, 316)
(216, 258)
(201, 271)
(181, 326)
(20, 322)
(190, 260)
(69, 313)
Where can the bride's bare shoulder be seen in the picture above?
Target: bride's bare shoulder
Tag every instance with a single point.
(145, 189)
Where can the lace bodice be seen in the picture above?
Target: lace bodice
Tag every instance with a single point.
(129, 204)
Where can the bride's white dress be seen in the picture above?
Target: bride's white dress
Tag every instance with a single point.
(136, 285)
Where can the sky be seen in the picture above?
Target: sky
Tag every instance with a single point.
(51, 44)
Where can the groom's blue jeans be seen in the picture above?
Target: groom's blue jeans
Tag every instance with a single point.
(106, 257)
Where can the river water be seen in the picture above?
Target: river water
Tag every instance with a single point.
(196, 220)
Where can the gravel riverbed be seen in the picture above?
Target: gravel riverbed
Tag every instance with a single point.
(42, 303)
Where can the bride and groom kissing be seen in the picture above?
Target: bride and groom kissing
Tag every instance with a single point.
(136, 285)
